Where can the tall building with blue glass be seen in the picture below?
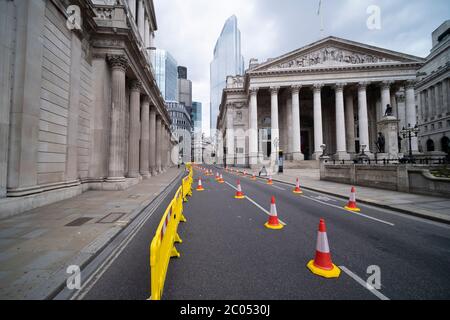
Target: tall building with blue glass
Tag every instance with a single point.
(196, 116)
(228, 61)
(166, 74)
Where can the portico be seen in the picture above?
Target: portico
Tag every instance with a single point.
(329, 95)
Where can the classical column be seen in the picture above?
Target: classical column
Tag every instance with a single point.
(159, 143)
(341, 143)
(445, 96)
(253, 127)
(350, 122)
(394, 102)
(385, 96)
(296, 150)
(431, 104)
(437, 100)
(135, 130)
(152, 141)
(145, 138)
(230, 135)
(141, 19)
(116, 165)
(132, 5)
(411, 116)
(290, 138)
(318, 131)
(363, 117)
(275, 129)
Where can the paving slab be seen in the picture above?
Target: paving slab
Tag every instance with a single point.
(37, 246)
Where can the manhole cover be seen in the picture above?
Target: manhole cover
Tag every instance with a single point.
(78, 222)
(112, 217)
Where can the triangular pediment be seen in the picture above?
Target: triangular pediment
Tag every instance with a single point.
(335, 52)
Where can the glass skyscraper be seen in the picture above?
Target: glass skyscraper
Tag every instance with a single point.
(196, 116)
(166, 73)
(228, 61)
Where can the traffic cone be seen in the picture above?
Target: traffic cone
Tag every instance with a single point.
(239, 193)
(254, 176)
(217, 176)
(200, 187)
(273, 222)
(351, 206)
(322, 264)
(297, 189)
(221, 179)
(270, 181)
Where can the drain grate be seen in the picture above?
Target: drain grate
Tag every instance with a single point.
(111, 217)
(78, 222)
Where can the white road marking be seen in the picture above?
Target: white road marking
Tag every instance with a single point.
(377, 293)
(355, 213)
(256, 204)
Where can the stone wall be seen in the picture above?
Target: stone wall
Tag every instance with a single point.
(404, 178)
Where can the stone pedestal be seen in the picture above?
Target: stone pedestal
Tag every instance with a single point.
(388, 126)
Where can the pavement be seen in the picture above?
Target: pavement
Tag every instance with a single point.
(428, 207)
(36, 247)
(228, 254)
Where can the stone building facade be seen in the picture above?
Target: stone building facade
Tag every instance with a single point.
(80, 106)
(433, 94)
(331, 94)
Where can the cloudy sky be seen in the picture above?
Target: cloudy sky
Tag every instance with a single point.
(188, 29)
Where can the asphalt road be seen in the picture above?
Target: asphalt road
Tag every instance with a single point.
(228, 254)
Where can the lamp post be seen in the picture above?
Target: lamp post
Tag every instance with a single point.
(409, 133)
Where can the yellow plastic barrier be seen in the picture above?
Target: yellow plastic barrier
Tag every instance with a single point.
(162, 247)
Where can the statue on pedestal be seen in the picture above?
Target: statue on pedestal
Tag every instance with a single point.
(389, 111)
(381, 143)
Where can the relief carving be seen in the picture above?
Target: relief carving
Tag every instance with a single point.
(330, 56)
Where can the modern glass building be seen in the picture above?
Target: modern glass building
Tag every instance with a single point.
(196, 116)
(166, 72)
(228, 61)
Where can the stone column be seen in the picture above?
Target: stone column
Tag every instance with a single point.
(431, 105)
(411, 117)
(341, 143)
(363, 117)
(290, 138)
(253, 128)
(385, 96)
(445, 96)
(318, 131)
(394, 103)
(116, 168)
(152, 141)
(158, 144)
(230, 136)
(135, 130)
(296, 150)
(437, 100)
(275, 129)
(350, 122)
(132, 6)
(141, 19)
(145, 138)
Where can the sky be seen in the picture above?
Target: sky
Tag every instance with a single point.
(189, 29)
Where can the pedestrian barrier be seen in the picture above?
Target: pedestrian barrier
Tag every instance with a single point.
(162, 248)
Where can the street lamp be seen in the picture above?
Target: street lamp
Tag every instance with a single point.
(409, 133)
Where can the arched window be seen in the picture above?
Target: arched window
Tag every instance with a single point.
(430, 145)
(445, 145)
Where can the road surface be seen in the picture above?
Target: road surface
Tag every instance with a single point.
(228, 254)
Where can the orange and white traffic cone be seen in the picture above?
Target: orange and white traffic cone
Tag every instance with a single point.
(273, 222)
(217, 176)
(239, 193)
(254, 176)
(270, 181)
(297, 189)
(200, 186)
(351, 206)
(221, 179)
(322, 264)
